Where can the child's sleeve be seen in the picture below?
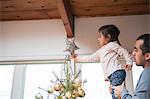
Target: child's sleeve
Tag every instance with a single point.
(89, 58)
(126, 55)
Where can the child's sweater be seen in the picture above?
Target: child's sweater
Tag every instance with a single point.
(112, 57)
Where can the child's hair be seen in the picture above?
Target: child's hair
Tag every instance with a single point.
(111, 30)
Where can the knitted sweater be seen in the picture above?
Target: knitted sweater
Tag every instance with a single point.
(112, 57)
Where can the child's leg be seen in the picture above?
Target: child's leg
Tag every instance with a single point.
(116, 79)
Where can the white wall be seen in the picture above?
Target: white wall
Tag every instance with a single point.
(130, 27)
(33, 39)
(43, 38)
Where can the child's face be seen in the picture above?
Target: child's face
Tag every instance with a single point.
(102, 39)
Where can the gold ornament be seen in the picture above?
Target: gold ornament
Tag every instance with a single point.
(62, 88)
(81, 93)
(57, 87)
(78, 83)
(50, 90)
(75, 93)
(63, 97)
(75, 85)
(38, 96)
(68, 94)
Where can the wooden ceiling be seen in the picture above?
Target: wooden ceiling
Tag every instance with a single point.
(68, 9)
(48, 9)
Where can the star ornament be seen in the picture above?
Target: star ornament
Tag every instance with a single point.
(71, 47)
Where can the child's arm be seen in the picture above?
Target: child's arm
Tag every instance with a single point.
(88, 58)
(127, 57)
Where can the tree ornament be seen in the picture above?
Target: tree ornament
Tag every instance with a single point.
(57, 87)
(81, 93)
(38, 96)
(71, 46)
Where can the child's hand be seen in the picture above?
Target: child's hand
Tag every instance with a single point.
(74, 56)
(128, 67)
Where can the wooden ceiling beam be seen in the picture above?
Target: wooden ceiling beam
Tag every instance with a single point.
(66, 16)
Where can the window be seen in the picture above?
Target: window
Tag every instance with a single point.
(96, 87)
(6, 79)
(40, 75)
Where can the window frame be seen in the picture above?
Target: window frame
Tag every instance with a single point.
(23, 64)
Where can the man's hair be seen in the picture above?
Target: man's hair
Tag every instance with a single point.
(145, 47)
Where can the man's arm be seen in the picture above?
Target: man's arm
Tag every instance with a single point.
(142, 90)
(125, 95)
(121, 91)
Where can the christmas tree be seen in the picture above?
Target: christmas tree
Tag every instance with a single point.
(68, 87)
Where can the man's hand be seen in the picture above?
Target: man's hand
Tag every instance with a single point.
(110, 88)
(118, 89)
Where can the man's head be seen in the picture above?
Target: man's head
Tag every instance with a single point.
(141, 50)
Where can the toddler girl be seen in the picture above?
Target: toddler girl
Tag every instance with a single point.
(113, 57)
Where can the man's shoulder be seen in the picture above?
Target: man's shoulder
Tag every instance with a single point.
(145, 74)
(144, 82)
(146, 71)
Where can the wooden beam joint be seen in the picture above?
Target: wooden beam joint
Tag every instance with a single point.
(66, 16)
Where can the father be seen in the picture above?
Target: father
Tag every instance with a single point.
(141, 55)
